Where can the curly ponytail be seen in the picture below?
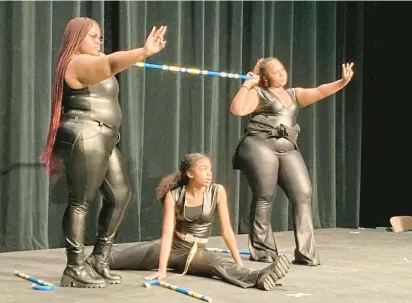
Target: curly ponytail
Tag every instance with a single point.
(167, 183)
(173, 181)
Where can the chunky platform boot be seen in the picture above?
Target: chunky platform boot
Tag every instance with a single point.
(78, 274)
(268, 276)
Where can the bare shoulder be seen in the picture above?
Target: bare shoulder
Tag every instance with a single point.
(256, 93)
(298, 90)
(219, 187)
(255, 90)
(168, 200)
(292, 90)
(70, 75)
(221, 192)
(80, 60)
(84, 70)
(169, 195)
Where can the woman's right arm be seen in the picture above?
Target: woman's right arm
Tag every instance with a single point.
(167, 237)
(89, 70)
(246, 100)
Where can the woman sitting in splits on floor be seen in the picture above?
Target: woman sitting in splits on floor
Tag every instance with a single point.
(190, 201)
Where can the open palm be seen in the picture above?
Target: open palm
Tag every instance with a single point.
(155, 41)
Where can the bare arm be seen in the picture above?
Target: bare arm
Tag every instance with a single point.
(167, 237)
(167, 232)
(309, 96)
(246, 100)
(225, 227)
(88, 70)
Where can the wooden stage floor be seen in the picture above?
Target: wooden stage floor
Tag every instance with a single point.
(364, 266)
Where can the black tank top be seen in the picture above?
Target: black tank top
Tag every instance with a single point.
(98, 102)
(200, 226)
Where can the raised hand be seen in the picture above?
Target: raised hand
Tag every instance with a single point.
(251, 82)
(155, 41)
(347, 72)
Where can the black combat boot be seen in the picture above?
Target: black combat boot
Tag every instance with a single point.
(100, 258)
(78, 274)
(268, 276)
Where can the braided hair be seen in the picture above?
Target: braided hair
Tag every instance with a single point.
(74, 33)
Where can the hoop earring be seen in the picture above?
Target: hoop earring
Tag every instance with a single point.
(265, 81)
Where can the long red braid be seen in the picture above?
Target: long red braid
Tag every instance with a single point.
(76, 30)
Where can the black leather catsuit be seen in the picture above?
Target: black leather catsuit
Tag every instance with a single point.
(195, 222)
(268, 155)
(86, 141)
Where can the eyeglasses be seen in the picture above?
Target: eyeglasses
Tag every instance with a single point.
(95, 36)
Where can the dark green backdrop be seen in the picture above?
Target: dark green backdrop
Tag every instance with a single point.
(168, 114)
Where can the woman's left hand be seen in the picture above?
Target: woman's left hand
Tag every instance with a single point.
(156, 276)
(155, 41)
(347, 72)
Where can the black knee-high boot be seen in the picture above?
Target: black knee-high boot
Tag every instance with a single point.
(77, 273)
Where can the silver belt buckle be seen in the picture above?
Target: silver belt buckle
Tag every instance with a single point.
(189, 238)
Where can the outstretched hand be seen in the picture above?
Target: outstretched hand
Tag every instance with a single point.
(347, 72)
(155, 41)
(157, 275)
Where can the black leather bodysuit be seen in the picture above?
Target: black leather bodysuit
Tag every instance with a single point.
(86, 141)
(145, 255)
(268, 155)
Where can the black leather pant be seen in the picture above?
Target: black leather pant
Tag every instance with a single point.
(267, 162)
(145, 256)
(92, 163)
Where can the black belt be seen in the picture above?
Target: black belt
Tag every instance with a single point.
(281, 131)
(89, 121)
